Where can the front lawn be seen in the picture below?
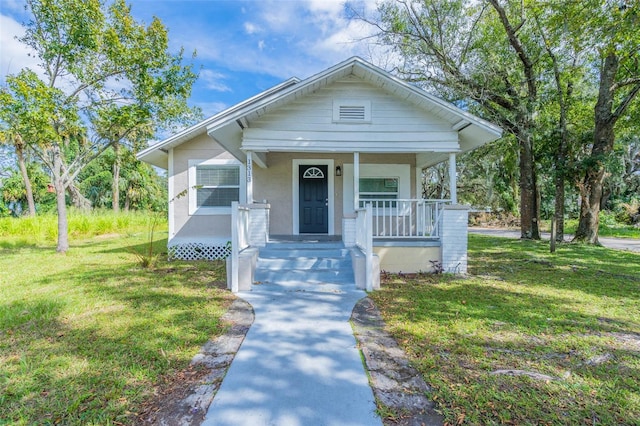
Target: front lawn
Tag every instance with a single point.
(527, 338)
(86, 337)
(608, 228)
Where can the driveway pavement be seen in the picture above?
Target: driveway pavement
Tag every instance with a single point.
(299, 364)
(614, 243)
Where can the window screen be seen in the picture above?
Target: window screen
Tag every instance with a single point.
(217, 186)
(385, 188)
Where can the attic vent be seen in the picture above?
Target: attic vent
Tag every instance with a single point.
(349, 111)
(355, 112)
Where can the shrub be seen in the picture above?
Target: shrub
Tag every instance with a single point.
(608, 218)
(628, 213)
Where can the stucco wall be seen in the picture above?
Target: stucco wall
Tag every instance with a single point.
(407, 259)
(202, 226)
(275, 184)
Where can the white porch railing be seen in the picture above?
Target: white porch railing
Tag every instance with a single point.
(249, 230)
(405, 218)
(364, 241)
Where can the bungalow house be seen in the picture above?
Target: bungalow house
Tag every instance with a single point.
(339, 155)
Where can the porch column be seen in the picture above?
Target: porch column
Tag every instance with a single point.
(249, 177)
(356, 180)
(453, 239)
(453, 178)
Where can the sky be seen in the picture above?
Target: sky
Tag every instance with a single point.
(243, 47)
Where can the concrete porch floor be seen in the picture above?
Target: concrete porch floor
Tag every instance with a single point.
(305, 238)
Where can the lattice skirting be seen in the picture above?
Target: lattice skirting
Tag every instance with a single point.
(198, 251)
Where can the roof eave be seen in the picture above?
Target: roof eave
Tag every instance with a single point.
(474, 134)
(200, 128)
(158, 158)
(464, 115)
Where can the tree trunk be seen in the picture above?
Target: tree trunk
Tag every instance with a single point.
(78, 200)
(603, 138)
(115, 186)
(559, 204)
(591, 188)
(127, 201)
(25, 177)
(560, 175)
(562, 151)
(529, 228)
(61, 205)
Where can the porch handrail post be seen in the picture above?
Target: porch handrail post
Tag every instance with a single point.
(235, 245)
(369, 248)
(249, 177)
(356, 180)
(453, 190)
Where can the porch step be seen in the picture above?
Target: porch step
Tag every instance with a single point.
(293, 263)
(304, 245)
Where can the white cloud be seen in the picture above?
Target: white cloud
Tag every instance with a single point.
(279, 16)
(333, 7)
(277, 38)
(211, 108)
(274, 38)
(251, 28)
(351, 37)
(14, 55)
(213, 80)
(303, 37)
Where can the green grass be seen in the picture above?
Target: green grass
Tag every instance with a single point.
(85, 337)
(43, 229)
(606, 229)
(573, 316)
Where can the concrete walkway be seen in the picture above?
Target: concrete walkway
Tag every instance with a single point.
(609, 242)
(299, 364)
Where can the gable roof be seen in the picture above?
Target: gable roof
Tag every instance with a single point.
(226, 127)
(157, 154)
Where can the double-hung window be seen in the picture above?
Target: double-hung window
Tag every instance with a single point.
(214, 185)
(379, 188)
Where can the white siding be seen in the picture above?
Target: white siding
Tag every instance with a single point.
(310, 120)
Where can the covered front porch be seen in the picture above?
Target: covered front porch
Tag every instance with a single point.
(367, 254)
(312, 192)
(388, 233)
